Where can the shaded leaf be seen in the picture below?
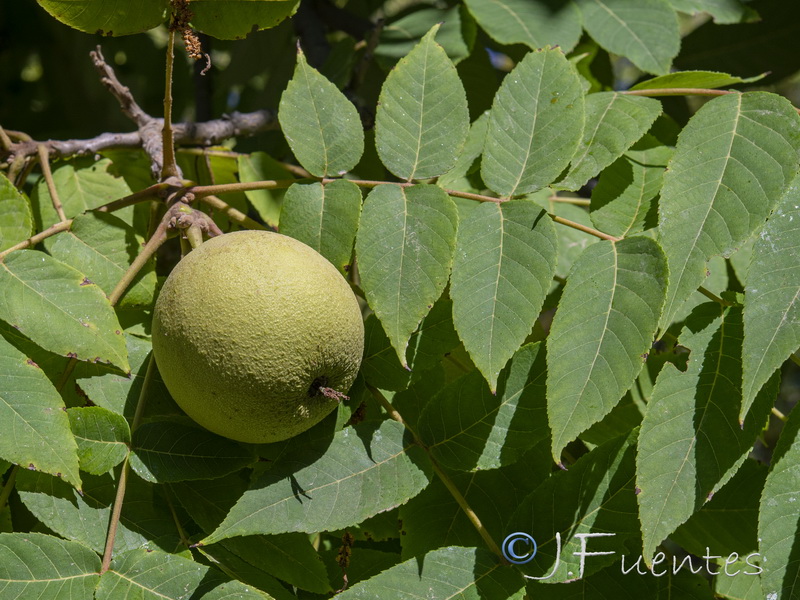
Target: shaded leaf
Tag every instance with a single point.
(324, 217)
(319, 483)
(84, 517)
(34, 565)
(504, 264)
(234, 19)
(643, 31)
(733, 161)
(449, 573)
(779, 517)
(595, 495)
(165, 451)
(16, 219)
(154, 575)
(422, 119)
(288, 556)
(614, 122)
(108, 17)
(772, 297)
(36, 431)
(466, 427)
(102, 247)
(623, 201)
(691, 442)
(246, 572)
(606, 320)
(535, 23)
(102, 436)
(321, 125)
(259, 166)
(405, 248)
(53, 305)
(723, 11)
(692, 79)
(535, 124)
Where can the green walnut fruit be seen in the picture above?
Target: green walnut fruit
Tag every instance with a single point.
(257, 336)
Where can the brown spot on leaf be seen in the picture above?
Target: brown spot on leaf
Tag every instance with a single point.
(118, 332)
(637, 490)
(86, 281)
(31, 467)
(32, 363)
(71, 355)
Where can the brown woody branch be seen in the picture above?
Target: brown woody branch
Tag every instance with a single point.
(148, 134)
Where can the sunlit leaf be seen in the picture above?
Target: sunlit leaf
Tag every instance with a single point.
(405, 248)
(422, 118)
(504, 264)
(59, 309)
(535, 124)
(321, 125)
(606, 320)
(234, 19)
(723, 11)
(733, 161)
(103, 438)
(108, 17)
(692, 79)
(16, 219)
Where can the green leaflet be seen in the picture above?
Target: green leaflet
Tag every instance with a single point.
(692, 79)
(467, 427)
(535, 23)
(448, 574)
(614, 122)
(405, 248)
(234, 19)
(535, 124)
(691, 442)
(596, 494)
(165, 451)
(341, 481)
(504, 265)
(422, 119)
(16, 220)
(606, 320)
(733, 161)
(723, 11)
(59, 309)
(324, 217)
(108, 17)
(155, 575)
(82, 185)
(102, 247)
(321, 125)
(145, 522)
(36, 432)
(624, 199)
(103, 438)
(779, 518)
(644, 31)
(35, 565)
(288, 556)
(772, 297)
(260, 166)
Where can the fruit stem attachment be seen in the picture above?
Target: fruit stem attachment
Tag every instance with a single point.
(44, 161)
(440, 472)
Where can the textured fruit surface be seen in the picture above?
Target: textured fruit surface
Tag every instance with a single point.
(248, 327)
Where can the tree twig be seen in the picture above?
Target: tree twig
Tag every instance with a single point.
(232, 213)
(32, 241)
(169, 167)
(44, 160)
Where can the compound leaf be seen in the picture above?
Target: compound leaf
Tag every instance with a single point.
(772, 297)
(643, 31)
(34, 565)
(614, 122)
(36, 430)
(733, 161)
(321, 125)
(59, 309)
(422, 120)
(405, 248)
(504, 265)
(535, 124)
(606, 320)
